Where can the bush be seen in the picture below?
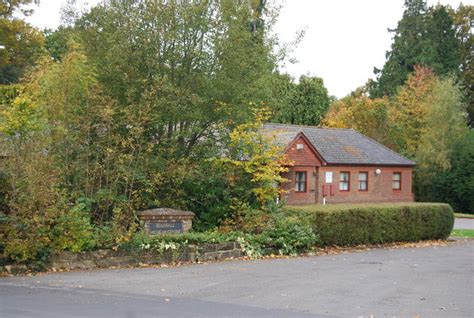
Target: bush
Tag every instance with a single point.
(346, 225)
(290, 235)
(141, 239)
(25, 240)
(73, 232)
(34, 239)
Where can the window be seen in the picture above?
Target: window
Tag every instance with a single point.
(344, 183)
(363, 181)
(300, 181)
(397, 181)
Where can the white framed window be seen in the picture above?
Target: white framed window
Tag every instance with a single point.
(300, 181)
(397, 181)
(344, 181)
(363, 181)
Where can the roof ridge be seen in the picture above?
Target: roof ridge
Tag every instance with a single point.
(381, 144)
(308, 126)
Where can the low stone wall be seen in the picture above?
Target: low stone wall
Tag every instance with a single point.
(122, 258)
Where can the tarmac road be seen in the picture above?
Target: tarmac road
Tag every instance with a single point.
(466, 224)
(435, 281)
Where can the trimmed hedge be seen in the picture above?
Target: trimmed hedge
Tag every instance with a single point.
(355, 224)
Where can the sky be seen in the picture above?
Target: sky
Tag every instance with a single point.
(344, 39)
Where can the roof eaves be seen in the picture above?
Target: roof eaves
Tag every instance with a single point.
(372, 164)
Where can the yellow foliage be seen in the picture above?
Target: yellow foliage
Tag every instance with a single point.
(408, 112)
(359, 112)
(22, 116)
(258, 155)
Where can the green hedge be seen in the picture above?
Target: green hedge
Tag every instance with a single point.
(345, 225)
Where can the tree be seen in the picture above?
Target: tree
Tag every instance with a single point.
(456, 185)
(23, 45)
(9, 7)
(256, 154)
(56, 42)
(428, 117)
(445, 125)
(463, 19)
(305, 102)
(424, 36)
(283, 88)
(368, 116)
(409, 108)
(42, 133)
(406, 48)
(133, 114)
(196, 64)
(442, 49)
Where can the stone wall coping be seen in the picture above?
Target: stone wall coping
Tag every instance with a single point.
(164, 212)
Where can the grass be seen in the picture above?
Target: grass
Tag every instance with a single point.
(464, 215)
(463, 233)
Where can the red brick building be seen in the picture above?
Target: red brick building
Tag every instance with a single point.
(341, 166)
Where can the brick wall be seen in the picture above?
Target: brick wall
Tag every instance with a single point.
(379, 186)
(307, 197)
(304, 160)
(304, 156)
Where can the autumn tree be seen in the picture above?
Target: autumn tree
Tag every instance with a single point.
(42, 133)
(128, 117)
(409, 108)
(428, 117)
(359, 112)
(423, 121)
(257, 154)
(253, 163)
(445, 126)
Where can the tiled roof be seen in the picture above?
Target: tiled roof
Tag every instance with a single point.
(341, 146)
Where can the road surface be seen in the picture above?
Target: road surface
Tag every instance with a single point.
(462, 223)
(435, 281)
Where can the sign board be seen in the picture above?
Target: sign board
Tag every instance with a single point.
(165, 227)
(328, 177)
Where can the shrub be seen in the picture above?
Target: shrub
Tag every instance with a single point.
(73, 232)
(290, 235)
(141, 239)
(377, 223)
(26, 239)
(32, 240)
